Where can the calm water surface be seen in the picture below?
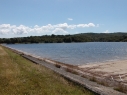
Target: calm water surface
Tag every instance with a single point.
(77, 53)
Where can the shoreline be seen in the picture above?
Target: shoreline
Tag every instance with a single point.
(104, 69)
(86, 71)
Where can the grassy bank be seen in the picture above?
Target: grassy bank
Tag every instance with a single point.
(19, 76)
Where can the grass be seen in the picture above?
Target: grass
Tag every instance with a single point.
(19, 76)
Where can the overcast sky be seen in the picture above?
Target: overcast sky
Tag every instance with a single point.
(19, 18)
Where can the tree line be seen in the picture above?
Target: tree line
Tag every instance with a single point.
(83, 37)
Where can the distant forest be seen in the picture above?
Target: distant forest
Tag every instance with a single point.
(83, 37)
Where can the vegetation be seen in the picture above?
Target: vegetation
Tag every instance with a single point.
(84, 37)
(19, 76)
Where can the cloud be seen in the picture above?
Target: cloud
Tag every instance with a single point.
(59, 31)
(70, 19)
(62, 26)
(85, 25)
(91, 25)
(7, 28)
(106, 31)
(20, 29)
(56, 29)
(72, 26)
(4, 28)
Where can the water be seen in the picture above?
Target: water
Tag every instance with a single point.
(77, 53)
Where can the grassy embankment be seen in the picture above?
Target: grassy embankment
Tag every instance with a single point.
(19, 76)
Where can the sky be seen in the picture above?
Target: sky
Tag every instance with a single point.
(22, 18)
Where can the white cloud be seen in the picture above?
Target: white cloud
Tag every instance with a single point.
(59, 31)
(4, 31)
(82, 25)
(4, 28)
(106, 31)
(7, 29)
(86, 25)
(91, 25)
(20, 29)
(63, 26)
(70, 19)
(72, 26)
(56, 29)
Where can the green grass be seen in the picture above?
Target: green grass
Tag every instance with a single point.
(19, 76)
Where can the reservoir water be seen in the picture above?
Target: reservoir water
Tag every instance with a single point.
(76, 53)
